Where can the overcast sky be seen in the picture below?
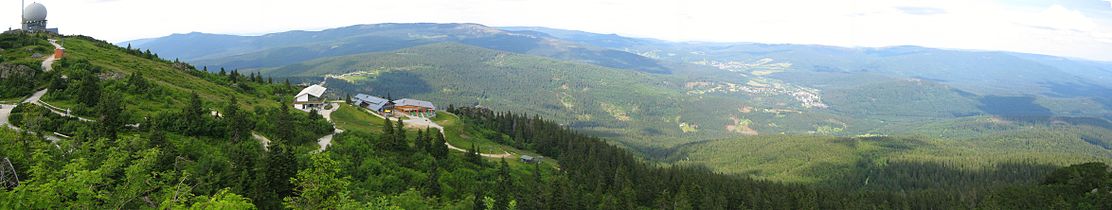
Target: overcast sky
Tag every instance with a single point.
(1073, 28)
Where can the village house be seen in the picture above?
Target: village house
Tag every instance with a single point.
(310, 98)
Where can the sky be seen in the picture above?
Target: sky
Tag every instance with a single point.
(1070, 28)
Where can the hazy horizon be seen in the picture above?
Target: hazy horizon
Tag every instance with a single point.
(1066, 28)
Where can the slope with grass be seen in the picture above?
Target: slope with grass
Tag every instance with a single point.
(171, 83)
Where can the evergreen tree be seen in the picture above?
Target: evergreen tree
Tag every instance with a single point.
(420, 142)
(505, 187)
(136, 83)
(109, 110)
(682, 202)
(399, 136)
(222, 72)
(284, 123)
(532, 197)
(473, 155)
(236, 121)
(280, 167)
(89, 90)
(244, 157)
(388, 135)
(477, 201)
(194, 116)
(432, 185)
(57, 84)
(440, 146)
(234, 76)
(289, 87)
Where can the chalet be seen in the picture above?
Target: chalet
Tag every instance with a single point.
(414, 107)
(380, 105)
(310, 98)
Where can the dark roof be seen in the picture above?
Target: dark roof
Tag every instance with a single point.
(373, 103)
(414, 102)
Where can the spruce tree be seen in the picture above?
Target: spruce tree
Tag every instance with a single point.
(238, 127)
(284, 123)
(534, 189)
(399, 136)
(89, 90)
(420, 142)
(505, 187)
(387, 140)
(194, 116)
(109, 110)
(432, 186)
(477, 202)
(440, 146)
(280, 167)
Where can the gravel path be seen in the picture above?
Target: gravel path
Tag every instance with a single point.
(48, 64)
(5, 112)
(326, 140)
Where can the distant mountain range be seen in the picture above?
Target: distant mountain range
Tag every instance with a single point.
(676, 92)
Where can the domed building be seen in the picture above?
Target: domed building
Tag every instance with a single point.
(34, 19)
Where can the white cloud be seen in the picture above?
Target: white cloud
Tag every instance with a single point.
(1058, 17)
(973, 24)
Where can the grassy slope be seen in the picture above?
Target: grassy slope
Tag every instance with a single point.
(177, 82)
(350, 118)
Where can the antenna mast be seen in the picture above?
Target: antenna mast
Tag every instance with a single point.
(22, 3)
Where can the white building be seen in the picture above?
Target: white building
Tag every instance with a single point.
(310, 98)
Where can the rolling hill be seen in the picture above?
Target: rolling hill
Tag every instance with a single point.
(285, 48)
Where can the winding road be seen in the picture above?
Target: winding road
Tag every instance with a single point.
(6, 109)
(326, 140)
